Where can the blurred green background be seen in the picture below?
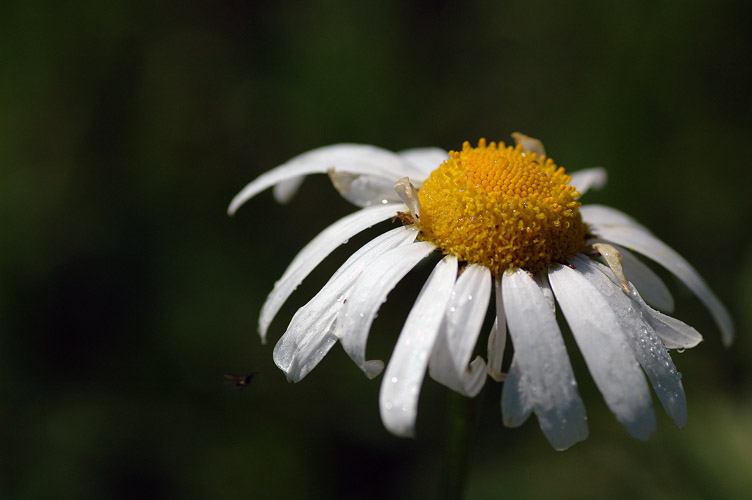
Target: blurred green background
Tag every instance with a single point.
(126, 293)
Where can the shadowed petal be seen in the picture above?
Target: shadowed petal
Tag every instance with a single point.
(673, 333)
(647, 347)
(542, 359)
(516, 406)
(651, 286)
(605, 349)
(497, 339)
(363, 190)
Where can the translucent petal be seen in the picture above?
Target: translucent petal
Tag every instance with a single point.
(516, 406)
(646, 346)
(463, 319)
(497, 339)
(364, 190)
(605, 349)
(407, 192)
(398, 398)
(316, 251)
(353, 158)
(584, 180)
(643, 242)
(651, 286)
(311, 332)
(673, 333)
(542, 360)
(370, 291)
(286, 190)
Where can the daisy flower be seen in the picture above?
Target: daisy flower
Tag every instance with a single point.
(509, 224)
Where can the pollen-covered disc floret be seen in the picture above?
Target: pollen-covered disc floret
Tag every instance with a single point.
(502, 208)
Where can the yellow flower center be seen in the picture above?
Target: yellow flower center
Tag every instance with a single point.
(502, 208)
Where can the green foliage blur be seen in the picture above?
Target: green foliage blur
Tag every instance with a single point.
(127, 293)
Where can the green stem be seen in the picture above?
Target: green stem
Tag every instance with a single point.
(461, 424)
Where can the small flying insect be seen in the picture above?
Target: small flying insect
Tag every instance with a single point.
(240, 381)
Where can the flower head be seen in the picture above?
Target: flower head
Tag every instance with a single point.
(507, 220)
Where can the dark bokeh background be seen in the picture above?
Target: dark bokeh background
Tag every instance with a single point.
(126, 293)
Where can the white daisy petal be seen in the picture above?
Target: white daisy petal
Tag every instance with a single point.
(605, 349)
(370, 291)
(353, 158)
(450, 361)
(673, 333)
(497, 339)
(363, 190)
(286, 190)
(407, 192)
(646, 346)
(398, 398)
(468, 383)
(584, 180)
(316, 251)
(516, 406)
(529, 144)
(603, 215)
(311, 332)
(651, 286)
(543, 361)
(653, 248)
(424, 161)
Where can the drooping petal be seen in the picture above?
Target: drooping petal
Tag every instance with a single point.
(645, 243)
(286, 190)
(673, 333)
(353, 158)
(370, 291)
(316, 251)
(646, 346)
(584, 180)
(497, 339)
(542, 360)
(516, 406)
(424, 161)
(605, 349)
(408, 194)
(398, 398)
(650, 285)
(311, 332)
(450, 360)
(529, 144)
(364, 190)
